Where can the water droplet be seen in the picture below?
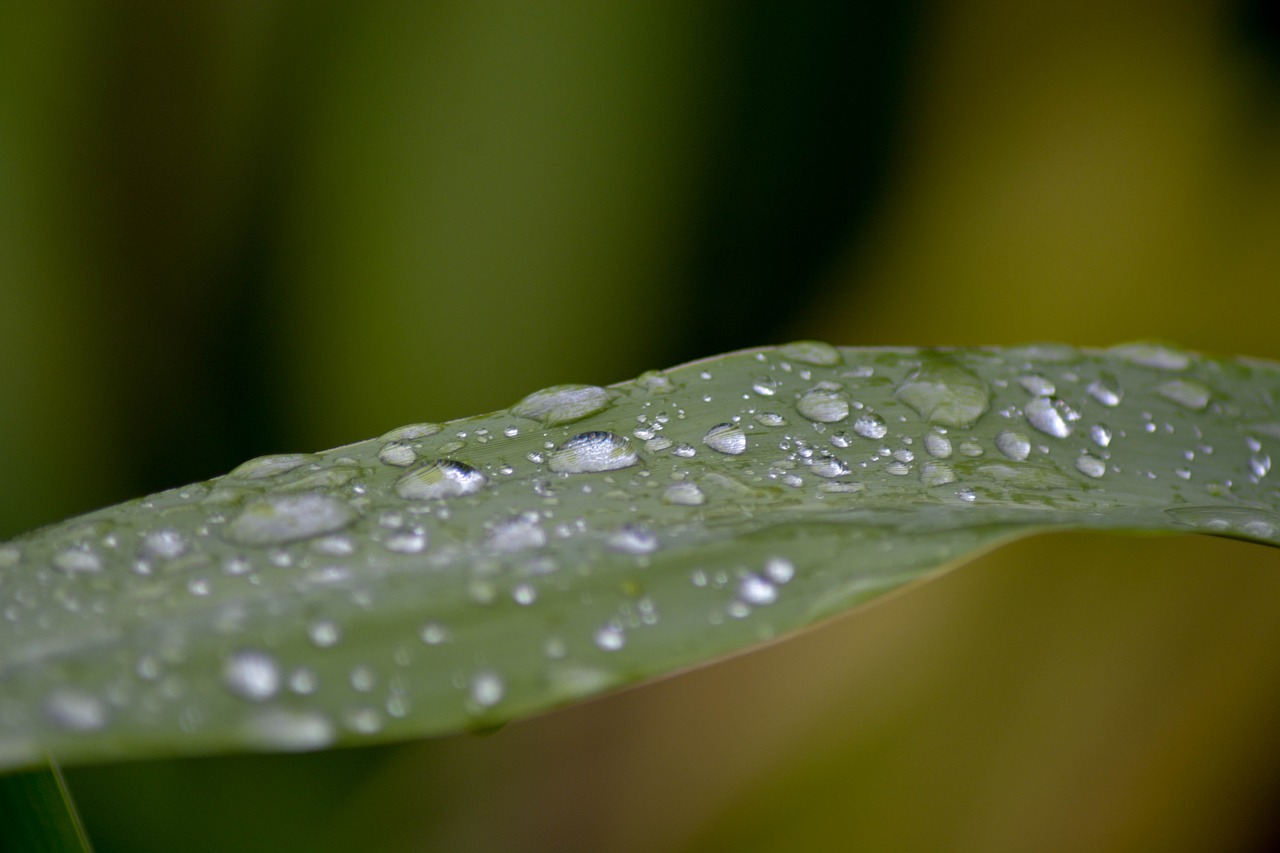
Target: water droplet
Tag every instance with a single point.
(289, 730)
(870, 426)
(1106, 390)
(1014, 445)
(765, 386)
(1245, 521)
(1153, 355)
(944, 393)
(829, 466)
(969, 447)
(563, 404)
(757, 591)
(433, 634)
(167, 544)
(726, 438)
(487, 689)
(443, 478)
(406, 543)
(1260, 464)
(398, 453)
(823, 405)
(1100, 434)
(770, 419)
(1091, 466)
(967, 495)
(1050, 416)
(779, 569)
(1037, 385)
(591, 452)
(936, 474)
(411, 432)
(684, 494)
(280, 519)
(518, 533)
(685, 451)
(1185, 392)
(610, 637)
(363, 678)
(633, 539)
(325, 633)
(251, 675)
(816, 353)
(78, 559)
(937, 446)
(75, 710)
(10, 556)
(271, 466)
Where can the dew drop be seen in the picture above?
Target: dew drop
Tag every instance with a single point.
(726, 438)
(591, 452)
(823, 405)
(271, 466)
(944, 393)
(1091, 466)
(779, 569)
(518, 533)
(411, 432)
(936, 474)
(770, 419)
(79, 559)
(397, 453)
(75, 710)
(289, 730)
(1047, 415)
(938, 446)
(324, 633)
(167, 544)
(757, 591)
(870, 426)
(10, 556)
(280, 519)
(1153, 355)
(1100, 435)
(443, 478)
(1106, 391)
(1260, 464)
(487, 689)
(610, 637)
(684, 494)
(1037, 385)
(251, 675)
(1185, 392)
(633, 539)
(433, 634)
(828, 466)
(765, 386)
(563, 404)
(1014, 445)
(816, 353)
(406, 543)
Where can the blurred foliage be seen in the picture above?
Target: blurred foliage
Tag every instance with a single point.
(230, 229)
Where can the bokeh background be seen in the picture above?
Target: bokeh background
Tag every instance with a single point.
(229, 229)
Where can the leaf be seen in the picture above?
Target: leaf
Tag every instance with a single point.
(453, 577)
(36, 813)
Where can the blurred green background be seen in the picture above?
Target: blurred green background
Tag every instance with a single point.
(229, 229)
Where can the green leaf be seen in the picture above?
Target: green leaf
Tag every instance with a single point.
(442, 578)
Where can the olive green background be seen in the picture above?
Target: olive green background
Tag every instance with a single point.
(240, 228)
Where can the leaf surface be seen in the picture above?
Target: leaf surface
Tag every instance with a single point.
(451, 577)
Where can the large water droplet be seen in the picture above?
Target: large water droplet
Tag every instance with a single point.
(252, 675)
(1050, 415)
(280, 519)
(563, 404)
(937, 445)
(726, 438)
(1014, 445)
(398, 453)
(443, 478)
(870, 426)
(823, 405)
(271, 466)
(811, 352)
(1091, 466)
(1185, 392)
(945, 393)
(593, 451)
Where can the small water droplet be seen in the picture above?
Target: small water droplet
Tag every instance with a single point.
(280, 519)
(1185, 392)
(1153, 355)
(518, 533)
(1037, 385)
(765, 386)
(398, 453)
(252, 675)
(684, 494)
(443, 478)
(829, 466)
(487, 689)
(1260, 464)
(77, 559)
(944, 393)
(936, 474)
(870, 426)
(271, 466)
(563, 404)
(823, 405)
(779, 569)
(591, 452)
(633, 539)
(937, 446)
(290, 730)
(406, 543)
(1100, 435)
(1106, 390)
(325, 633)
(816, 353)
(726, 438)
(363, 678)
(1014, 445)
(610, 637)
(411, 432)
(75, 710)
(1091, 466)
(770, 419)
(1240, 520)
(433, 634)
(166, 544)
(757, 591)
(967, 495)
(1050, 416)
